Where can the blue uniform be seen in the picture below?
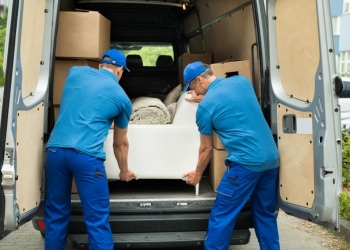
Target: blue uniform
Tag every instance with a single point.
(91, 100)
(230, 108)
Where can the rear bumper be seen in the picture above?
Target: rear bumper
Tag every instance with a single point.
(158, 240)
(153, 229)
(150, 223)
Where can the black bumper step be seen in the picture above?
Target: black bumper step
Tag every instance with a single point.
(158, 240)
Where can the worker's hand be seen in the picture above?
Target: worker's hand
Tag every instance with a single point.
(127, 175)
(193, 178)
(194, 97)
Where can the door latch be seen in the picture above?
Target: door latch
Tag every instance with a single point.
(289, 124)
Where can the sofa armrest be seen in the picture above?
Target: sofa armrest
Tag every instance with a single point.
(185, 111)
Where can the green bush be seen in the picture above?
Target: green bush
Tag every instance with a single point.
(344, 198)
(344, 201)
(346, 159)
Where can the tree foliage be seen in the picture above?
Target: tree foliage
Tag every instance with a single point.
(3, 22)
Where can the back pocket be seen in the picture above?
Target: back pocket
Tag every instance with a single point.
(229, 183)
(99, 173)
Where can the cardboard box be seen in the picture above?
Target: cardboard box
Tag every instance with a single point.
(74, 188)
(217, 167)
(187, 58)
(226, 69)
(61, 69)
(82, 34)
(217, 142)
(56, 110)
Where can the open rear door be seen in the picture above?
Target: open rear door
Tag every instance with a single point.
(29, 56)
(305, 110)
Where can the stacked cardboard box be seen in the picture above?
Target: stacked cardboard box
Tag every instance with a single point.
(229, 68)
(82, 34)
(82, 37)
(61, 69)
(217, 167)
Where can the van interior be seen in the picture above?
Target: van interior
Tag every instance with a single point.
(153, 35)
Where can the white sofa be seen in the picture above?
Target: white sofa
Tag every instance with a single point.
(160, 151)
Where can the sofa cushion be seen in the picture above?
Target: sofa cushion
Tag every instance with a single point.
(173, 95)
(172, 109)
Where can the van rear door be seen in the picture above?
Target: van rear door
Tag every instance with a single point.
(23, 124)
(305, 110)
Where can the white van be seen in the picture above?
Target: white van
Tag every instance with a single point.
(289, 46)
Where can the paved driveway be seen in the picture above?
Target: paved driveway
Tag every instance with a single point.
(294, 234)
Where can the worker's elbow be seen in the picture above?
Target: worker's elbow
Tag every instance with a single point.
(117, 145)
(207, 149)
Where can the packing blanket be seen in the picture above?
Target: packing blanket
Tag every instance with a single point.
(149, 110)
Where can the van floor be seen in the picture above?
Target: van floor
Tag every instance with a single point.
(154, 189)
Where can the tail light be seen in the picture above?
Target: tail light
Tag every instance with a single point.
(41, 224)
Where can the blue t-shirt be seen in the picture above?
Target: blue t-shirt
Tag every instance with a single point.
(91, 100)
(231, 109)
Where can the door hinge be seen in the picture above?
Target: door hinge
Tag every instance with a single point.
(8, 175)
(9, 155)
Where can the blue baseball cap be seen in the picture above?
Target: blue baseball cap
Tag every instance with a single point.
(193, 70)
(117, 58)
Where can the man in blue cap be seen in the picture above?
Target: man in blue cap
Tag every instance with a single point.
(230, 108)
(91, 100)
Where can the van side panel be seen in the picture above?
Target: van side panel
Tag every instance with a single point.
(26, 122)
(29, 148)
(305, 110)
(295, 38)
(301, 168)
(30, 128)
(232, 37)
(32, 44)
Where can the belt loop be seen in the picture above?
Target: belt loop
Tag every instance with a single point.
(228, 163)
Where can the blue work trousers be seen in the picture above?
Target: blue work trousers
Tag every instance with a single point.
(91, 181)
(236, 187)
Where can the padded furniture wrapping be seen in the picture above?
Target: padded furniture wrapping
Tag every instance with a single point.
(185, 111)
(157, 151)
(160, 151)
